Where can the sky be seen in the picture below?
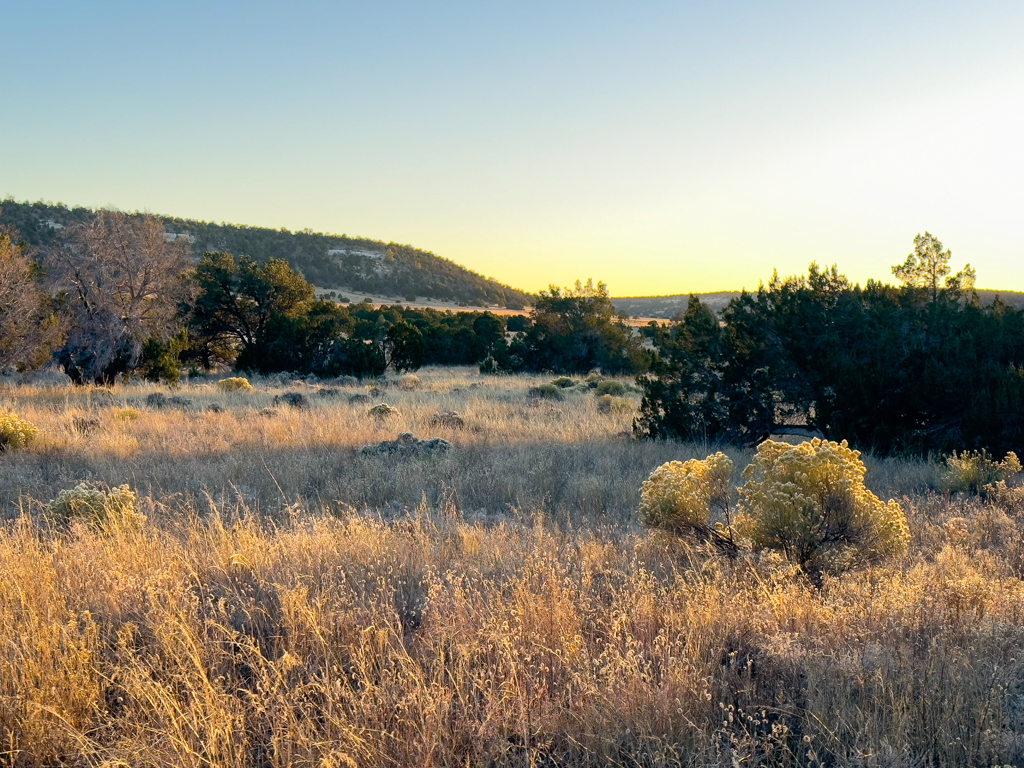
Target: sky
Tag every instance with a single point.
(659, 147)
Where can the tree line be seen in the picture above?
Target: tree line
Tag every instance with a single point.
(266, 318)
(915, 367)
(114, 296)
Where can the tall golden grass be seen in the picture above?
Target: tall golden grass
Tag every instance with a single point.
(288, 602)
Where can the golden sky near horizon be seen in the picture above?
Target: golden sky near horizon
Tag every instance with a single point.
(662, 148)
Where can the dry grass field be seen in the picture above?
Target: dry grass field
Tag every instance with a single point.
(290, 601)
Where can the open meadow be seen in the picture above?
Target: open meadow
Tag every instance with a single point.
(281, 597)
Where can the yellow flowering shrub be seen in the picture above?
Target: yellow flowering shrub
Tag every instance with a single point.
(809, 502)
(15, 432)
(98, 508)
(678, 496)
(235, 384)
(972, 470)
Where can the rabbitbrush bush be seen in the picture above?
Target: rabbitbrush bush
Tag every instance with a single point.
(809, 502)
(679, 495)
(98, 508)
(15, 432)
(235, 384)
(973, 470)
(383, 412)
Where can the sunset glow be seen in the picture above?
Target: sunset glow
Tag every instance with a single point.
(665, 148)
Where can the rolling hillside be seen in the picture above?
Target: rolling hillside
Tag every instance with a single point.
(339, 262)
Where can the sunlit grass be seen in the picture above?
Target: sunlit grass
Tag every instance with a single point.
(288, 602)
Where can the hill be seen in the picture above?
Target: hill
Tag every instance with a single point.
(337, 262)
(666, 307)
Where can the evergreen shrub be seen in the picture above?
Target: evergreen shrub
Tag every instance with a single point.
(546, 392)
(807, 501)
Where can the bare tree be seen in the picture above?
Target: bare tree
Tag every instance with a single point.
(27, 327)
(123, 279)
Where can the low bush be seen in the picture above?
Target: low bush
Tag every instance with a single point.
(15, 432)
(95, 507)
(971, 471)
(407, 444)
(448, 420)
(408, 382)
(806, 501)
(293, 399)
(610, 387)
(159, 400)
(809, 502)
(1005, 497)
(546, 392)
(679, 497)
(383, 412)
(235, 384)
(610, 404)
(563, 382)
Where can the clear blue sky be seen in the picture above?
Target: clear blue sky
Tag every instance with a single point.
(660, 147)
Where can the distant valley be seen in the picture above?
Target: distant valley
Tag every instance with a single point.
(666, 307)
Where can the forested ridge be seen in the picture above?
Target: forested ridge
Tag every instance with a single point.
(361, 265)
